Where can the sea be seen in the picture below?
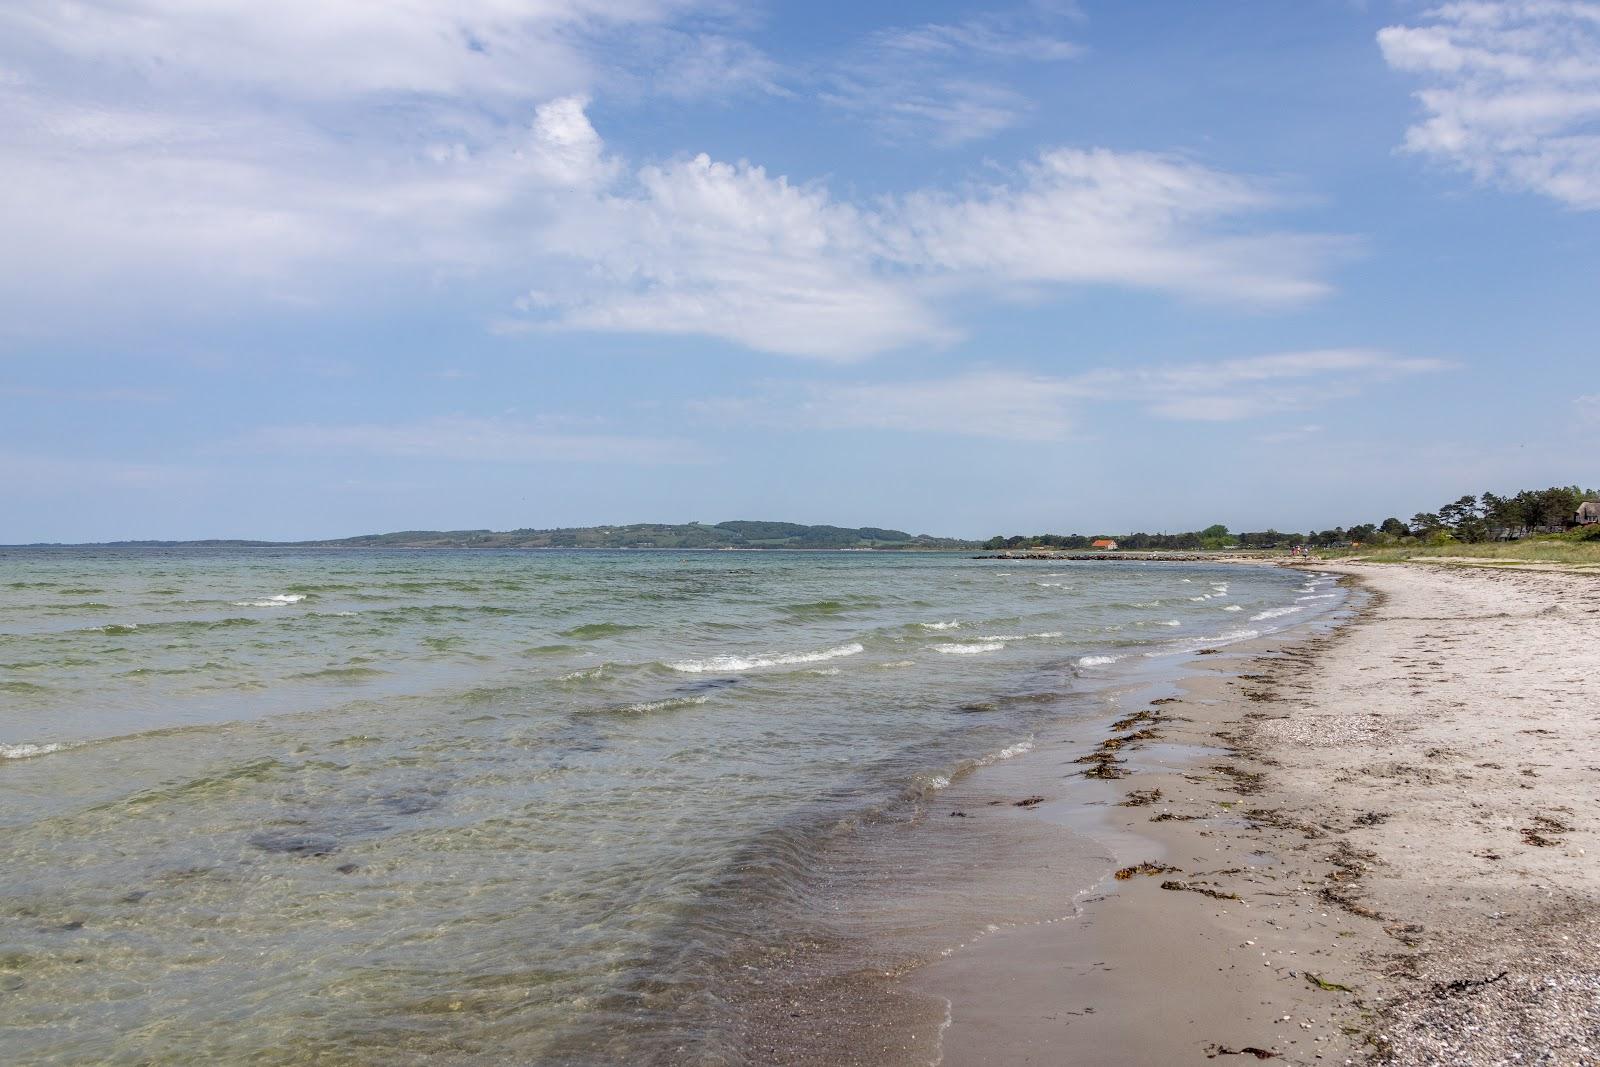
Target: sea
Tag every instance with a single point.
(532, 807)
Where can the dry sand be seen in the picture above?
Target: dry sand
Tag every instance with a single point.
(1370, 845)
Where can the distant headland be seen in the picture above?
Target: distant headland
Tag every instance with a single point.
(693, 535)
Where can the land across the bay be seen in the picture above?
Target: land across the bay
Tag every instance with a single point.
(1364, 844)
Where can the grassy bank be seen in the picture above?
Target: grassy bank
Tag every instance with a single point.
(1535, 551)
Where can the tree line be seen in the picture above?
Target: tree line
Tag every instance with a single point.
(1469, 519)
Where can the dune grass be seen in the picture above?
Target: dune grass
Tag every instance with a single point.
(1543, 551)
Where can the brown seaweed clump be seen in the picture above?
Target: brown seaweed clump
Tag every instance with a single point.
(1146, 868)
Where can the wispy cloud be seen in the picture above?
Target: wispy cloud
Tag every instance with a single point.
(1007, 405)
(944, 82)
(1514, 92)
(998, 404)
(472, 439)
(1229, 390)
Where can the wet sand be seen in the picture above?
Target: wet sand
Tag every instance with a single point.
(1365, 845)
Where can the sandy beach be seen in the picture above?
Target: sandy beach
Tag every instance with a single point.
(1364, 844)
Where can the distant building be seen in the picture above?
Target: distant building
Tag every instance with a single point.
(1105, 544)
(1589, 513)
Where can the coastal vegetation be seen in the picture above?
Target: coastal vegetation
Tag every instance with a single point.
(1531, 523)
(736, 534)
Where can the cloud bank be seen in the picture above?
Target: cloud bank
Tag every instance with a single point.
(164, 159)
(1513, 94)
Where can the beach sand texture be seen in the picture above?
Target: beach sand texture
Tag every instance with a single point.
(1370, 845)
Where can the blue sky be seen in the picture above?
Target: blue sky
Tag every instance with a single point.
(310, 269)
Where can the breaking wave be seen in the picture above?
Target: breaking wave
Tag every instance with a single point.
(750, 663)
(277, 601)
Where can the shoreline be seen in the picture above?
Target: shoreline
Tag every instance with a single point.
(1352, 877)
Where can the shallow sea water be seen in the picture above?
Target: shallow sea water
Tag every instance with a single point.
(541, 807)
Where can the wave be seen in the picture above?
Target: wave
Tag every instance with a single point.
(951, 625)
(1227, 638)
(970, 649)
(1319, 596)
(670, 704)
(1274, 613)
(1096, 661)
(28, 751)
(338, 674)
(1023, 637)
(1233, 607)
(599, 629)
(277, 601)
(749, 663)
(1009, 752)
(823, 608)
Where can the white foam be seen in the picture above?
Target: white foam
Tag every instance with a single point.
(970, 649)
(1096, 661)
(29, 751)
(277, 601)
(1023, 637)
(1221, 639)
(1274, 613)
(750, 663)
(898, 663)
(1051, 585)
(951, 625)
(666, 705)
(1007, 753)
(1233, 607)
(1319, 596)
(826, 672)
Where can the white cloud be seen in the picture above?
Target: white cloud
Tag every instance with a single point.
(175, 183)
(948, 112)
(477, 440)
(312, 48)
(939, 81)
(1513, 92)
(1102, 217)
(726, 250)
(701, 247)
(1007, 405)
(1588, 409)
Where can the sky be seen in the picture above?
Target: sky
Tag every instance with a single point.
(311, 269)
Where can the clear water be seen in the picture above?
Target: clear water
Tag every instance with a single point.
(285, 807)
